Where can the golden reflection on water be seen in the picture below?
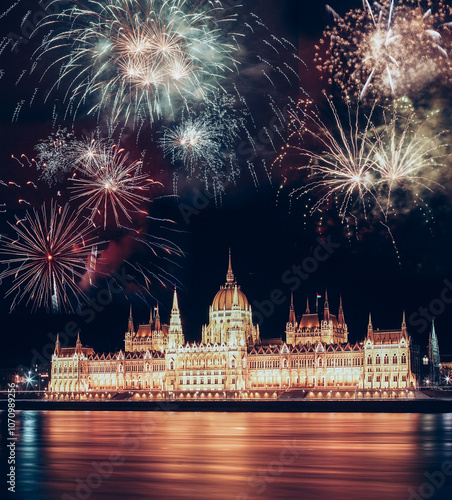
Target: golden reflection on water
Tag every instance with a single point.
(239, 456)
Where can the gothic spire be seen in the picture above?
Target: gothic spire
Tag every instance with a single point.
(57, 344)
(157, 319)
(340, 316)
(370, 328)
(292, 318)
(326, 307)
(175, 327)
(175, 301)
(307, 306)
(230, 274)
(130, 326)
(404, 332)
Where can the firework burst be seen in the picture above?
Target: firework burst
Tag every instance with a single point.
(139, 58)
(408, 159)
(358, 163)
(110, 182)
(204, 143)
(341, 161)
(392, 48)
(48, 257)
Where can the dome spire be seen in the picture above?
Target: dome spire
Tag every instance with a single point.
(230, 274)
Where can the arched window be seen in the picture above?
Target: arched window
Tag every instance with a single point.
(320, 362)
(284, 363)
(171, 366)
(403, 358)
(394, 359)
(386, 359)
(233, 363)
(377, 359)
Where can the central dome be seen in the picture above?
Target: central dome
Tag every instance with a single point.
(225, 296)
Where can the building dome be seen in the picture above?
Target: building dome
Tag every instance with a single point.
(225, 296)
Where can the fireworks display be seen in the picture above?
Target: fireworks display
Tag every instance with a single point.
(340, 163)
(358, 163)
(139, 58)
(204, 143)
(110, 182)
(48, 258)
(388, 48)
(215, 94)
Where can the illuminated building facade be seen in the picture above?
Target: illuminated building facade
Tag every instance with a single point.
(317, 360)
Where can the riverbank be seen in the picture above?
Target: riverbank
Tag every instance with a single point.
(292, 405)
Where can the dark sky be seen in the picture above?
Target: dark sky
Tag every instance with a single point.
(268, 236)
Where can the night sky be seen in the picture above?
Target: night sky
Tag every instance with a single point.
(268, 235)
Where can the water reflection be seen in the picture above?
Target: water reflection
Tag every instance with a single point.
(143, 455)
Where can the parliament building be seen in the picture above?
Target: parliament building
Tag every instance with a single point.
(232, 361)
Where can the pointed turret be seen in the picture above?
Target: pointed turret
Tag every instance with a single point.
(175, 302)
(307, 306)
(292, 317)
(57, 345)
(78, 344)
(176, 337)
(235, 298)
(326, 308)
(340, 315)
(158, 326)
(230, 274)
(130, 328)
(403, 328)
(370, 328)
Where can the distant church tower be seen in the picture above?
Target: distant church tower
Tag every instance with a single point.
(434, 358)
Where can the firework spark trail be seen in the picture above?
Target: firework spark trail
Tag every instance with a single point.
(389, 48)
(161, 249)
(46, 258)
(110, 183)
(139, 57)
(7, 11)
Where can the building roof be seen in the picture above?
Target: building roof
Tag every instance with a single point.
(68, 352)
(310, 321)
(225, 298)
(146, 331)
(387, 336)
